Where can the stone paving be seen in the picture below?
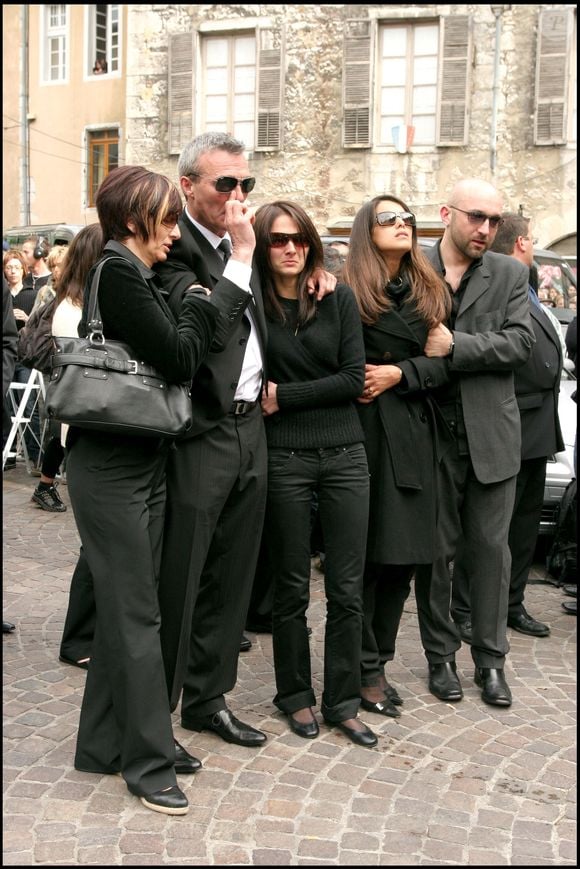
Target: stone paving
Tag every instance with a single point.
(448, 784)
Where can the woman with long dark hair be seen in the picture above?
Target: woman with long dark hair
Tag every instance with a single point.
(400, 298)
(315, 361)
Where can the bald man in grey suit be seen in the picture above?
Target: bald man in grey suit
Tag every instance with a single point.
(489, 335)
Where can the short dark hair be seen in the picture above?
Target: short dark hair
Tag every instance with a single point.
(133, 193)
(514, 225)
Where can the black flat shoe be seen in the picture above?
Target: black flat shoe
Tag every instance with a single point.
(381, 708)
(245, 644)
(495, 690)
(392, 694)
(226, 725)
(170, 801)
(307, 730)
(443, 682)
(365, 738)
(7, 627)
(84, 665)
(185, 763)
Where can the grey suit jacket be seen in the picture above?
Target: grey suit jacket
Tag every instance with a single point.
(493, 336)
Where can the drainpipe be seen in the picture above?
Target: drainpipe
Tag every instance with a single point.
(24, 129)
(497, 11)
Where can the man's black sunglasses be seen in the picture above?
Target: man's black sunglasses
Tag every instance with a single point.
(226, 183)
(479, 217)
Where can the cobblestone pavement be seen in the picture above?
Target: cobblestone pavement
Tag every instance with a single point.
(448, 784)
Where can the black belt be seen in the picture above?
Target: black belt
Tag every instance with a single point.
(238, 408)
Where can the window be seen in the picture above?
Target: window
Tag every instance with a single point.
(407, 74)
(103, 155)
(104, 38)
(229, 85)
(55, 43)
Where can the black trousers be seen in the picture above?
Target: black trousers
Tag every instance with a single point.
(216, 492)
(385, 590)
(523, 533)
(81, 615)
(117, 490)
(473, 522)
(340, 477)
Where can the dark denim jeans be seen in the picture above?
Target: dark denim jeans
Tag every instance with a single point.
(339, 476)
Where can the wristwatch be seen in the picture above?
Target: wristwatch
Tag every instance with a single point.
(451, 346)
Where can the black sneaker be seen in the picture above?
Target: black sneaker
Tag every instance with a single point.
(48, 499)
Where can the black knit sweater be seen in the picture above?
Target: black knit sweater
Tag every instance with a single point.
(319, 369)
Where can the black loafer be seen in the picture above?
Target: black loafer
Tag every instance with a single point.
(392, 694)
(495, 690)
(171, 801)
(185, 763)
(82, 664)
(245, 644)
(307, 730)
(443, 682)
(381, 708)
(366, 738)
(525, 624)
(226, 725)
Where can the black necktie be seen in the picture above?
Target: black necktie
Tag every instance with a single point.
(225, 248)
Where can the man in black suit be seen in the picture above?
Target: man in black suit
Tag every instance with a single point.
(491, 335)
(216, 477)
(537, 384)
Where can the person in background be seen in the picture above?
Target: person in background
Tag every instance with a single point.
(117, 490)
(537, 383)
(100, 67)
(489, 334)
(315, 362)
(400, 298)
(35, 251)
(9, 354)
(216, 486)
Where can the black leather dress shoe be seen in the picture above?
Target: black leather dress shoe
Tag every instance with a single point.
(392, 694)
(464, 628)
(226, 725)
(495, 690)
(570, 606)
(570, 590)
(381, 708)
(366, 738)
(245, 644)
(444, 683)
(185, 763)
(308, 730)
(170, 801)
(7, 627)
(525, 624)
(82, 663)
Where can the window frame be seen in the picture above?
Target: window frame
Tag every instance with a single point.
(91, 37)
(47, 33)
(92, 135)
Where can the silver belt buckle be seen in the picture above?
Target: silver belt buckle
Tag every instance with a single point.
(239, 407)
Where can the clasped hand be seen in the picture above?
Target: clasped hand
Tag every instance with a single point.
(438, 341)
(379, 378)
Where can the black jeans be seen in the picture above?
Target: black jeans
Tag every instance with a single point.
(339, 476)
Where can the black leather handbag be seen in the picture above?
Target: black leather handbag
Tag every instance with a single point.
(99, 384)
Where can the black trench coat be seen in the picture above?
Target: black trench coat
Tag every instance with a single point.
(405, 438)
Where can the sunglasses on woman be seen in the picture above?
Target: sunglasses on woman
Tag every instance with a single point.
(281, 239)
(389, 218)
(227, 183)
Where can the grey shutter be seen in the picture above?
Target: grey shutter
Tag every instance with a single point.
(356, 84)
(552, 69)
(453, 90)
(180, 91)
(269, 90)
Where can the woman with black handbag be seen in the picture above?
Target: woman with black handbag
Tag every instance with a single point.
(117, 489)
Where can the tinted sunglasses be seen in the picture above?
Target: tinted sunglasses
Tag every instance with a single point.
(226, 183)
(479, 217)
(281, 239)
(389, 218)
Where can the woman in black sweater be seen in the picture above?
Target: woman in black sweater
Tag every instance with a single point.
(400, 298)
(315, 362)
(117, 489)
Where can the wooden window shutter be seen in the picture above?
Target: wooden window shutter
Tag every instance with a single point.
(356, 84)
(269, 90)
(453, 90)
(180, 91)
(552, 60)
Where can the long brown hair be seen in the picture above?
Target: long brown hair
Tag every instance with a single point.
(366, 271)
(265, 217)
(81, 255)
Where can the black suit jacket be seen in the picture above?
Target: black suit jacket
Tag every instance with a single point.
(537, 384)
(192, 260)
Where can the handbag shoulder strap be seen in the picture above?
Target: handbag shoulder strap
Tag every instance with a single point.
(94, 322)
